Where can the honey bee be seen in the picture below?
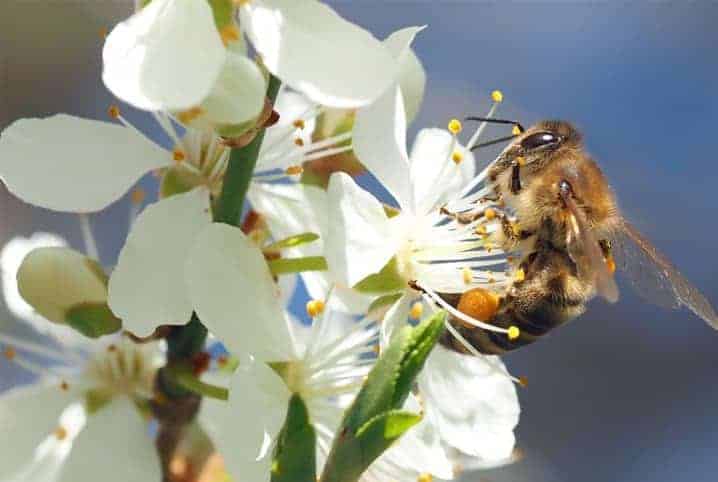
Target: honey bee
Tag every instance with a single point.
(557, 210)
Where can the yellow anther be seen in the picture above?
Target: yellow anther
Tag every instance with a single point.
(481, 230)
(515, 130)
(10, 353)
(515, 229)
(519, 275)
(489, 214)
(417, 309)
(299, 124)
(138, 196)
(60, 433)
(229, 33)
(523, 381)
(293, 170)
(521, 160)
(189, 115)
(113, 111)
(455, 126)
(376, 349)
(467, 275)
(315, 307)
(299, 141)
(178, 155)
(513, 332)
(64, 386)
(497, 96)
(488, 247)
(457, 157)
(491, 280)
(425, 478)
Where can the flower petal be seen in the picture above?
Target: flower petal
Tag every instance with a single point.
(412, 76)
(115, 443)
(294, 209)
(435, 175)
(147, 288)
(167, 56)
(358, 236)
(380, 144)
(314, 50)
(473, 402)
(67, 163)
(29, 415)
(238, 94)
(234, 294)
(244, 428)
(396, 318)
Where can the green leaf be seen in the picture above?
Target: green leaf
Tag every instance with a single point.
(388, 280)
(293, 241)
(374, 420)
(93, 319)
(295, 454)
(297, 265)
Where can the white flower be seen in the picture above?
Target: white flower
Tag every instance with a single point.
(170, 56)
(428, 248)
(79, 417)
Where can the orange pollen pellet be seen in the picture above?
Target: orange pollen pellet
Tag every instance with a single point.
(299, 124)
(60, 433)
(479, 303)
(457, 157)
(178, 155)
(489, 214)
(299, 141)
(294, 170)
(113, 111)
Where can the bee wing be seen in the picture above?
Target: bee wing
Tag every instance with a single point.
(654, 277)
(585, 251)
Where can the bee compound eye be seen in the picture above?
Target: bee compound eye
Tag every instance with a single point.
(540, 140)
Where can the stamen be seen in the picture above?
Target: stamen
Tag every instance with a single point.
(229, 33)
(64, 386)
(467, 275)
(294, 170)
(497, 96)
(10, 353)
(178, 155)
(455, 126)
(60, 433)
(457, 157)
(113, 111)
(103, 32)
(425, 478)
(513, 332)
(88, 237)
(315, 307)
(138, 196)
(299, 124)
(299, 142)
(521, 160)
(489, 214)
(515, 130)
(519, 275)
(189, 115)
(36, 348)
(417, 309)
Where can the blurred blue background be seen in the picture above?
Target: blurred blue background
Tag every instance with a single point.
(626, 393)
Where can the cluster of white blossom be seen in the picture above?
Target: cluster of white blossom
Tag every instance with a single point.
(202, 70)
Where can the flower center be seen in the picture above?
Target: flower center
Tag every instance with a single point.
(122, 370)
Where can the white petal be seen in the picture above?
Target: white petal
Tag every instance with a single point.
(167, 56)
(147, 288)
(314, 50)
(412, 76)
(473, 402)
(294, 209)
(380, 144)
(67, 163)
(234, 294)
(434, 175)
(245, 427)
(396, 318)
(238, 95)
(115, 443)
(28, 416)
(358, 236)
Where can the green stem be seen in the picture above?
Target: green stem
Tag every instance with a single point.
(297, 265)
(189, 381)
(239, 172)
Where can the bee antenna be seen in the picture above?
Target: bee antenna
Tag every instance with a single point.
(496, 121)
(491, 143)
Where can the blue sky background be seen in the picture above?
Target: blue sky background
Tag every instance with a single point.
(626, 393)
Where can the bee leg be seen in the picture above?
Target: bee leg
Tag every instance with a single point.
(467, 217)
